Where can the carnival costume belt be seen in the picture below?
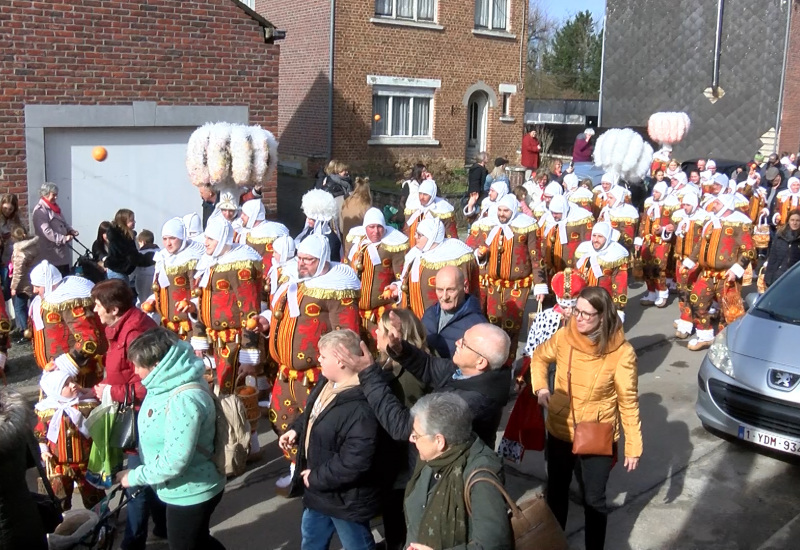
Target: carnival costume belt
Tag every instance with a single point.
(373, 314)
(309, 376)
(656, 240)
(527, 282)
(181, 327)
(225, 335)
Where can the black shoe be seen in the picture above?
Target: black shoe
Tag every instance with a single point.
(22, 341)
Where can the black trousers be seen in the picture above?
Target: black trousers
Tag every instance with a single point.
(394, 521)
(188, 526)
(592, 473)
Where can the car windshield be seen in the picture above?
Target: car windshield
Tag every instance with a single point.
(782, 301)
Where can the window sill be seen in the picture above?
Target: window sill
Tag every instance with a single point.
(401, 140)
(507, 119)
(406, 23)
(494, 34)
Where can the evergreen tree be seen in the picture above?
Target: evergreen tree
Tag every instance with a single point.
(575, 55)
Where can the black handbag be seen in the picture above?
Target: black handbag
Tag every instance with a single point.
(123, 433)
(49, 505)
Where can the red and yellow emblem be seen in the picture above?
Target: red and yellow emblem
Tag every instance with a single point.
(244, 274)
(52, 317)
(312, 310)
(222, 284)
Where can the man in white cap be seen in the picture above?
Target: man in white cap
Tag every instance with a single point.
(259, 233)
(507, 245)
(717, 262)
(654, 243)
(604, 263)
(376, 252)
(194, 227)
(608, 181)
(431, 206)
(284, 264)
(622, 217)
(576, 193)
(174, 277)
(551, 190)
(688, 222)
(416, 288)
(323, 297)
(566, 226)
(63, 323)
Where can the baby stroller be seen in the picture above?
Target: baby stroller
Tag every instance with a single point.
(90, 529)
(85, 266)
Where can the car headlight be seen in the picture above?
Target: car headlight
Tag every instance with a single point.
(719, 356)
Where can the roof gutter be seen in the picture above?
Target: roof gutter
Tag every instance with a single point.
(783, 76)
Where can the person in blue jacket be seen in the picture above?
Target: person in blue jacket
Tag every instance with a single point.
(455, 313)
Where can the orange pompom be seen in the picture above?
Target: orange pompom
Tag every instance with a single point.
(148, 307)
(252, 323)
(99, 153)
(377, 117)
(183, 304)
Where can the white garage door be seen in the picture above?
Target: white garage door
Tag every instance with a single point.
(145, 171)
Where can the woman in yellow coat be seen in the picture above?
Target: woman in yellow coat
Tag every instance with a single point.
(604, 389)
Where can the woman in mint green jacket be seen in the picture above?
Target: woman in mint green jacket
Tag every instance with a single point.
(176, 438)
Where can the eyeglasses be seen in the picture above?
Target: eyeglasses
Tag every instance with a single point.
(580, 314)
(462, 344)
(306, 260)
(415, 436)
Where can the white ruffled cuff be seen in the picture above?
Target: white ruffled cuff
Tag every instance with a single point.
(539, 288)
(688, 264)
(638, 241)
(200, 343)
(250, 356)
(737, 270)
(621, 315)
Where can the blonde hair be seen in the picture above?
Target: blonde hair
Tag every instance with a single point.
(497, 172)
(412, 331)
(343, 337)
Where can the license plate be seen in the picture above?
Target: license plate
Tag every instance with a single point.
(766, 439)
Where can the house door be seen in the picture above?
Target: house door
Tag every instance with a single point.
(477, 116)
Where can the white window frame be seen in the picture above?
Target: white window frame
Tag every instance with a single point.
(415, 10)
(390, 86)
(507, 92)
(490, 27)
(250, 4)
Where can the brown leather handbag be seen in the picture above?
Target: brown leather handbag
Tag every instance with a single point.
(590, 438)
(533, 524)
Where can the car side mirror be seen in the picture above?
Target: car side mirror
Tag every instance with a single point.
(750, 300)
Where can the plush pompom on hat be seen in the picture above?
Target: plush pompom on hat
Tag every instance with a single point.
(174, 228)
(228, 201)
(567, 285)
(319, 205)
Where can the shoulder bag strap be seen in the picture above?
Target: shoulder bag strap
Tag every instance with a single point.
(569, 388)
(492, 479)
(33, 447)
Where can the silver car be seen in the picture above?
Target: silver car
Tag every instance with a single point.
(748, 381)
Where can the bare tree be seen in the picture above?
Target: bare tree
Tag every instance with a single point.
(541, 29)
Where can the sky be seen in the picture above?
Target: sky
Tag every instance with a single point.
(563, 9)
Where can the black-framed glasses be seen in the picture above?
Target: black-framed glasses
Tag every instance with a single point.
(579, 313)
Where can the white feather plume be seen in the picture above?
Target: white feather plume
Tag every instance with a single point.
(319, 205)
(219, 154)
(241, 154)
(624, 152)
(196, 163)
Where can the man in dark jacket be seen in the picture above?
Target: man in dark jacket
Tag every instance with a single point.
(336, 443)
(476, 176)
(455, 313)
(476, 373)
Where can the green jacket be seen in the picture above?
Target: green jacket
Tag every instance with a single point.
(169, 434)
(489, 526)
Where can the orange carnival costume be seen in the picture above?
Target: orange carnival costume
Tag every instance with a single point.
(377, 265)
(64, 323)
(576, 194)
(724, 248)
(258, 233)
(436, 207)
(510, 254)
(688, 230)
(417, 285)
(655, 241)
(608, 181)
(304, 309)
(622, 217)
(606, 267)
(786, 201)
(562, 236)
(174, 277)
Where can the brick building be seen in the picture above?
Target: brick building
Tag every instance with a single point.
(136, 77)
(445, 76)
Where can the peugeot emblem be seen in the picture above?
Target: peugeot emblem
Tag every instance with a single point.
(782, 380)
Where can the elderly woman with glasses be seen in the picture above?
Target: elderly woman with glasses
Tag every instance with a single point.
(596, 381)
(436, 515)
(52, 229)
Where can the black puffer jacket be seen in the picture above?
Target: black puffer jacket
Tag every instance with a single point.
(784, 252)
(123, 255)
(345, 451)
(20, 524)
(486, 394)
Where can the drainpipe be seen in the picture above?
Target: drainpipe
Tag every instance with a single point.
(330, 88)
(783, 75)
(602, 73)
(522, 47)
(717, 47)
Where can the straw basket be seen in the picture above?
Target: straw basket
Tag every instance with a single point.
(761, 233)
(249, 397)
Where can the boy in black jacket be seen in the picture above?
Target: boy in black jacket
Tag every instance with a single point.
(337, 442)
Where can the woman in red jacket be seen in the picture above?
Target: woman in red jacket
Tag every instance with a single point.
(113, 304)
(531, 148)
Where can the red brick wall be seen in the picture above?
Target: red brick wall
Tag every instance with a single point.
(789, 138)
(454, 55)
(92, 52)
(305, 74)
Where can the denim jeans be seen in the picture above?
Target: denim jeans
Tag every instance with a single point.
(116, 275)
(6, 281)
(317, 530)
(139, 510)
(20, 302)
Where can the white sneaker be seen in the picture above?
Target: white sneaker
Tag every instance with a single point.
(285, 481)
